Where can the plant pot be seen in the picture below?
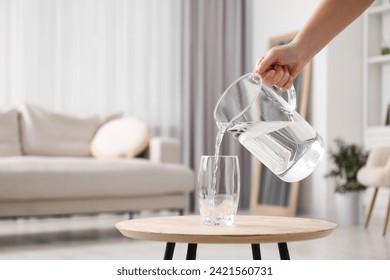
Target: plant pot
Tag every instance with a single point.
(348, 208)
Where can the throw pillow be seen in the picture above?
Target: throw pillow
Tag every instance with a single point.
(49, 133)
(9, 133)
(127, 137)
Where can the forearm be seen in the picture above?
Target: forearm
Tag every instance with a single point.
(328, 20)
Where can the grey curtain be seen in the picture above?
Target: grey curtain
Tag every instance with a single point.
(214, 53)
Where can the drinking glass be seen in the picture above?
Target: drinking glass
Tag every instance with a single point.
(218, 189)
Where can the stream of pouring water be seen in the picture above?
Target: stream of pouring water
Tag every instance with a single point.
(222, 128)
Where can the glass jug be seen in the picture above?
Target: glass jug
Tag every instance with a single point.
(269, 127)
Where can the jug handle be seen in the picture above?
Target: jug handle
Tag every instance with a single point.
(291, 94)
(292, 98)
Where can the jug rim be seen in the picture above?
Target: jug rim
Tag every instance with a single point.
(256, 78)
(220, 156)
(289, 104)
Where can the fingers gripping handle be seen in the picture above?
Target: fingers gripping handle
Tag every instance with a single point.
(291, 94)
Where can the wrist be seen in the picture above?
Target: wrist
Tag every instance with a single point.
(303, 50)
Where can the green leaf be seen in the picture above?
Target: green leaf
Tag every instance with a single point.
(347, 160)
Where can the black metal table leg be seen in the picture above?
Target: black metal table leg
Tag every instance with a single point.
(256, 251)
(169, 249)
(191, 251)
(283, 251)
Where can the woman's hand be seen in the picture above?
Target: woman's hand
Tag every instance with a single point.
(280, 66)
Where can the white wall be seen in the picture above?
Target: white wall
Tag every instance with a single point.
(273, 18)
(336, 89)
(345, 92)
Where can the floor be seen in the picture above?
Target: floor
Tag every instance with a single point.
(94, 237)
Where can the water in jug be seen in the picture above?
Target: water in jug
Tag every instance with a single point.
(269, 127)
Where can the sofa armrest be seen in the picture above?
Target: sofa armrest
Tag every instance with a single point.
(164, 150)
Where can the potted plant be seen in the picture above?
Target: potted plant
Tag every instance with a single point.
(347, 159)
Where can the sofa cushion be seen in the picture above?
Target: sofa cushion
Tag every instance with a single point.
(42, 178)
(48, 133)
(9, 133)
(127, 137)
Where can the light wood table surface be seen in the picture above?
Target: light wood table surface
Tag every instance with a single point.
(246, 229)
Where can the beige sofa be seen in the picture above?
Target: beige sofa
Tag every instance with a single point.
(46, 168)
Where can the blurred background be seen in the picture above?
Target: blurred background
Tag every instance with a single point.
(167, 62)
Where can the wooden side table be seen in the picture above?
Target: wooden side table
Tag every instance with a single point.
(246, 230)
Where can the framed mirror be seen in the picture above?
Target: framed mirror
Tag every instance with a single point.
(269, 194)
